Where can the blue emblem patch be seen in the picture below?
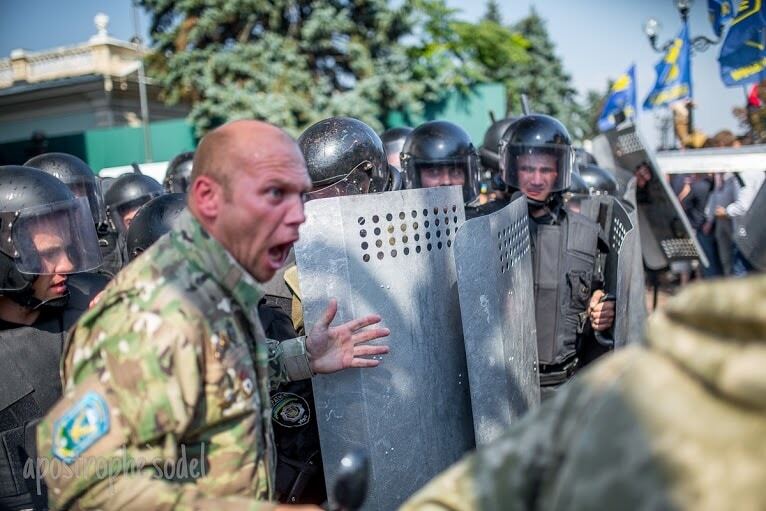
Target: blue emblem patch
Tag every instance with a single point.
(80, 427)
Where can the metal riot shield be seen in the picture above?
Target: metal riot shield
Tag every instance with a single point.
(391, 254)
(666, 234)
(497, 303)
(637, 294)
(750, 231)
(620, 234)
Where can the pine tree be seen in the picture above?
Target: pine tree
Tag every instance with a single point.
(291, 62)
(543, 78)
(493, 12)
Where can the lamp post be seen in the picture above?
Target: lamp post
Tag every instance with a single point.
(698, 44)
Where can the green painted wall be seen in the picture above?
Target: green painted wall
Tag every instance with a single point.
(122, 146)
(110, 147)
(471, 111)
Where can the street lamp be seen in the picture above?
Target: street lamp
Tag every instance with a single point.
(698, 44)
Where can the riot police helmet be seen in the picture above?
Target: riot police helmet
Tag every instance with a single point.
(440, 153)
(344, 156)
(128, 193)
(178, 175)
(393, 142)
(155, 218)
(44, 230)
(489, 151)
(76, 175)
(599, 181)
(583, 157)
(537, 158)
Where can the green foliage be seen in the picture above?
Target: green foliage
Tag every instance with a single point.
(493, 12)
(543, 78)
(291, 62)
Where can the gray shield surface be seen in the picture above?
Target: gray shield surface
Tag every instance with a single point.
(637, 294)
(391, 254)
(618, 228)
(666, 234)
(750, 231)
(497, 302)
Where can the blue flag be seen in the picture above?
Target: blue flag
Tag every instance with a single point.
(720, 13)
(743, 52)
(621, 103)
(674, 73)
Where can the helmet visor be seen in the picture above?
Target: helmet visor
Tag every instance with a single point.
(55, 238)
(355, 182)
(91, 190)
(538, 170)
(122, 214)
(462, 171)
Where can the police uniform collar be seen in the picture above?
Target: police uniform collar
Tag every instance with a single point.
(215, 261)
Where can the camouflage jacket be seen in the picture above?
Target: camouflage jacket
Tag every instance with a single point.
(166, 388)
(680, 424)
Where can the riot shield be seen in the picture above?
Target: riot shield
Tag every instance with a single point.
(666, 234)
(750, 231)
(637, 293)
(618, 269)
(497, 302)
(391, 254)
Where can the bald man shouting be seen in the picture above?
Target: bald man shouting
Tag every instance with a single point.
(167, 378)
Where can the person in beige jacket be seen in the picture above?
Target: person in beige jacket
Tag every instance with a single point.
(677, 424)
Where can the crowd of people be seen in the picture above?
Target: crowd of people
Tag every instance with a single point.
(143, 321)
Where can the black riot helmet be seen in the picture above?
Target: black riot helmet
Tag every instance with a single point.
(44, 230)
(598, 180)
(439, 149)
(393, 142)
(489, 151)
(178, 175)
(128, 193)
(77, 175)
(344, 156)
(537, 158)
(583, 157)
(155, 218)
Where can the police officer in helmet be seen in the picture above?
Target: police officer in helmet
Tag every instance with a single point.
(154, 219)
(393, 141)
(128, 193)
(46, 235)
(537, 159)
(440, 153)
(345, 156)
(178, 174)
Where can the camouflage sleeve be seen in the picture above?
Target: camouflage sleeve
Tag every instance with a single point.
(133, 382)
(288, 361)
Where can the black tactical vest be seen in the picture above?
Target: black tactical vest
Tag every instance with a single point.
(564, 257)
(30, 384)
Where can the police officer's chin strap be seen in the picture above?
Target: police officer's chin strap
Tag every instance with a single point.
(550, 205)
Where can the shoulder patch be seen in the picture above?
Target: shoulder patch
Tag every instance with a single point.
(80, 427)
(290, 410)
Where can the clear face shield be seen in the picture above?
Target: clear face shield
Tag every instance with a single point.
(539, 170)
(122, 214)
(91, 190)
(462, 171)
(355, 182)
(57, 238)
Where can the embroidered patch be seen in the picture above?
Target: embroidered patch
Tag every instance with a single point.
(289, 410)
(80, 427)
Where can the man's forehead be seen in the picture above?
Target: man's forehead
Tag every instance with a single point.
(538, 158)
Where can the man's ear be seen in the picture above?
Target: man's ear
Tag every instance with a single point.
(206, 195)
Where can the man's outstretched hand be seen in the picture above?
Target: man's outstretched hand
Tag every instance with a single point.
(332, 348)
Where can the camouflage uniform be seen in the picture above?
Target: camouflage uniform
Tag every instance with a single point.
(172, 366)
(679, 424)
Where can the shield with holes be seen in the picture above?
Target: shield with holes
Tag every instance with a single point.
(495, 283)
(666, 234)
(391, 254)
(620, 276)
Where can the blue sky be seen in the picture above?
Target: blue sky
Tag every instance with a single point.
(597, 40)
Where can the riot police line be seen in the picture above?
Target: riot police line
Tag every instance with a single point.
(491, 306)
